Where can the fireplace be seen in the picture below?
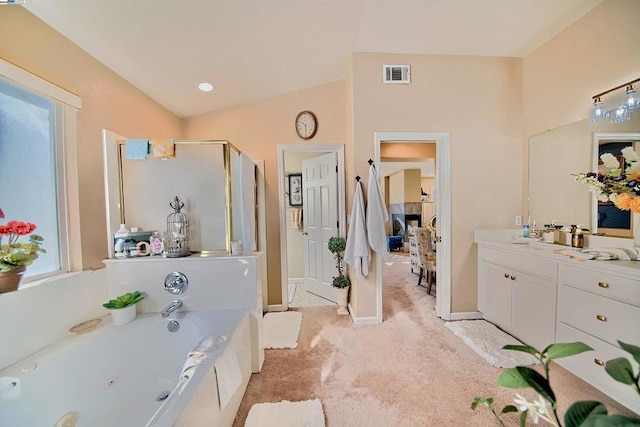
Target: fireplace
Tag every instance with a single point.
(403, 224)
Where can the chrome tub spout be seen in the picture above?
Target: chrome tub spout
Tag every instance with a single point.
(175, 304)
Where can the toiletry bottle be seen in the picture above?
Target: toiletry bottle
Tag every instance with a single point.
(119, 241)
(157, 246)
(533, 232)
(525, 230)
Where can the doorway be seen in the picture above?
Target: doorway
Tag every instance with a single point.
(442, 212)
(307, 222)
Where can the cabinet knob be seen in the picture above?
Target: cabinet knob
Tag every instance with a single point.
(598, 362)
(506, 275)
(603, 284)
(601, 317)
(513, 277)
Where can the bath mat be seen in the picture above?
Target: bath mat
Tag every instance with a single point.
(487, 340)
(307, 413)
(280, 330)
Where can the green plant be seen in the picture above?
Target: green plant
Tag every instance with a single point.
(125, 300)
(337, 245)
(14, 255)
(583, 413)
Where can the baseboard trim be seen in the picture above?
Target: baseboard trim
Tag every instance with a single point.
(360, 321)
(470, 315)
(276, 307)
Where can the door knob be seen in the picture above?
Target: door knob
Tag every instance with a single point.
(305, 233)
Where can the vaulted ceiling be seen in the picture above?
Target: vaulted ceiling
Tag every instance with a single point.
(255, 49)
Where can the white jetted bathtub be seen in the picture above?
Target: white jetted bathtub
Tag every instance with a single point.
(139, 374)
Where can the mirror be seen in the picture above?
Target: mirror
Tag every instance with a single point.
(554, 194)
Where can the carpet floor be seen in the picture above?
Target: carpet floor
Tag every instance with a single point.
(408, 371)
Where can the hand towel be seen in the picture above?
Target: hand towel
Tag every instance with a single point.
(163, 148)
(228, 376)
(137, 149)
(377, 214)
(358, 253)
(296, 217)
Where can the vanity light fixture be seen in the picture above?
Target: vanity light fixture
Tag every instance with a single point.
(621, 113)
(205, 87)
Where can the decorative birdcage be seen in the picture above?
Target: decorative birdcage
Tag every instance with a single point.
(177, 243)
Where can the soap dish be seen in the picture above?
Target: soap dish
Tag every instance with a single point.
(84, 327)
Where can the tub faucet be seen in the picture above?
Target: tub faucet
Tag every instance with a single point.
(175, 304)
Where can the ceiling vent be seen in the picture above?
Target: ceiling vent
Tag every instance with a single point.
(396, 74)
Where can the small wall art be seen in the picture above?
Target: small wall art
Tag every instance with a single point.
(295, 189)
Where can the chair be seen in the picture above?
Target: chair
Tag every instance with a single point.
(426, 256)
(394, 242)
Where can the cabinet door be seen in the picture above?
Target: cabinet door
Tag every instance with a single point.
(494, 294)
(534, 310)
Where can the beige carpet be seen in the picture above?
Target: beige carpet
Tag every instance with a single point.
(407, 371)
(307, 413)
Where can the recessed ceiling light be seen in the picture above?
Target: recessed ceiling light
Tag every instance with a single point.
(205, 87)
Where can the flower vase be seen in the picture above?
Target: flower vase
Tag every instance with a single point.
(10, 280)
(122, 316)
(342, 296)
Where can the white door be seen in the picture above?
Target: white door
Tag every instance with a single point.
(320, 219)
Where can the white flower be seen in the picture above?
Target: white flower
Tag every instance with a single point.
(537, 410)
(612, 197)
(610, 161)
(630, 155)
(633, 168)
(602, 197)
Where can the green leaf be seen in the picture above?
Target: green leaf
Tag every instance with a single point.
(580, 411)
(523, 418)
(509, 408)
(620, 370)
(522, 348)
(511, 378)
(488, 401)
(631, 349)
(610, 421)
(537, 382)
(560, 350)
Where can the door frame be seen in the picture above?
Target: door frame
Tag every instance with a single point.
(308, 148)
(443, 210)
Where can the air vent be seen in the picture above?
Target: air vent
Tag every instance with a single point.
(396, 74)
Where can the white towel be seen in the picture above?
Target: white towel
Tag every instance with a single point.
(296, 217)
(357, 253)
(377, 214)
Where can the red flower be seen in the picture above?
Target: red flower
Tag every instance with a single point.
(1, 214)
(20, 228)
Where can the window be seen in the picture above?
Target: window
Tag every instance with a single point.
(32, 166)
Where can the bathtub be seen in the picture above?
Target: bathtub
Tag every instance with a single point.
(133, 375)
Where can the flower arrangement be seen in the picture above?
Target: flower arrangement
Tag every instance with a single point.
(590, 413)
(337, 245)
(15, 255)
(616, 181)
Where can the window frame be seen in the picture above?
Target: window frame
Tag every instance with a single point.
(66, 106)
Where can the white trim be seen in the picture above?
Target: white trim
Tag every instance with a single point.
(361, 321)
(443, 210)
(38, 84)
(277, 307)
(310, 148)
(469, 315)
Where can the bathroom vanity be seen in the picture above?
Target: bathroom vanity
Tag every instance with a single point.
(539, 296)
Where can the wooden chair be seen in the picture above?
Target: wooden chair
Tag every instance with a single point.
(426, 256)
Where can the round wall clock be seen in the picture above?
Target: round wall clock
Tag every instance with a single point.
(306, 124)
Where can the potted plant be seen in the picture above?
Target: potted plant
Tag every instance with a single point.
(123, 308)
(16, 256)
(341, 282)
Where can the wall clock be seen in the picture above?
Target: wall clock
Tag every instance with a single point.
(306, 124)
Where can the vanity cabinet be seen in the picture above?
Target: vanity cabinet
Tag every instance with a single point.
(541, 297)
(518, 294)
(599, 309)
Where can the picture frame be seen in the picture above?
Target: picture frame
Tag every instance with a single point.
(295, 189)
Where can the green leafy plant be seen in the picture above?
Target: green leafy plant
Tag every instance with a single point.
(125, 300)
(337, 245)
(583, 413)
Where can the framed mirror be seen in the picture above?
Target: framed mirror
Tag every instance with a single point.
(554, 155)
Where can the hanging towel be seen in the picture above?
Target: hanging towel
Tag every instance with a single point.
(377, 214)
(296, 217)
(137, 149)
(357, 253)
(163, 148)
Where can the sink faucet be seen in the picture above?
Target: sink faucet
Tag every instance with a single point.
(175, 304)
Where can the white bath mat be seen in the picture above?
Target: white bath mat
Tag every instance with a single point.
(487, 340)
(280, 330)
(307, 413)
